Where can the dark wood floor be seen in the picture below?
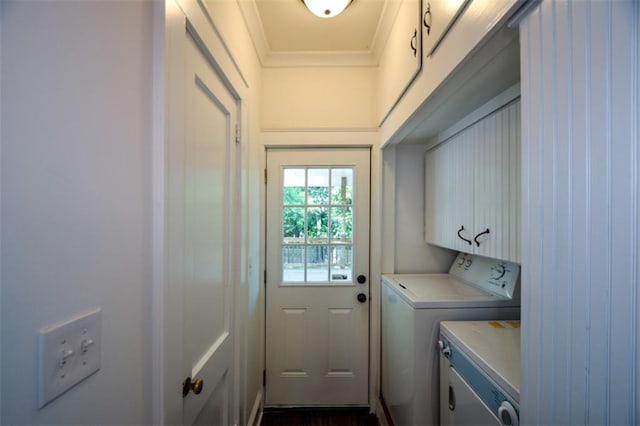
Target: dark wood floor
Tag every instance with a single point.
(319, 417)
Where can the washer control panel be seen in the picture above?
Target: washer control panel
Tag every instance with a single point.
(495, 276)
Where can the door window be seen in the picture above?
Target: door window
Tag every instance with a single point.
(317, 225)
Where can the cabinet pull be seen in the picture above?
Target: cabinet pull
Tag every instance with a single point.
(426, 19)
(461, 237)
(414, 39)
(479, 235)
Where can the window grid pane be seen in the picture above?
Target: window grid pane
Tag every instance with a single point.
(317, 225)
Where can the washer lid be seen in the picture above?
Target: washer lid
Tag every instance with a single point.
(423, 291)
(493, 345)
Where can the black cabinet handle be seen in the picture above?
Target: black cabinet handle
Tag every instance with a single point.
(479, 235)
(426, 19)
(414, 42)
(461, 237)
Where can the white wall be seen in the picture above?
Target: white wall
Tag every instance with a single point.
(319, 98)
(412, 253)
(76, 105)
(580, 154)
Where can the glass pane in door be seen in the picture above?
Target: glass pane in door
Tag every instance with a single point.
(317, 225)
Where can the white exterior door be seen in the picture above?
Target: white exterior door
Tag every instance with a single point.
(317, 328)
(201, 235)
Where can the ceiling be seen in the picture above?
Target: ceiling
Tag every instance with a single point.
(286, 33)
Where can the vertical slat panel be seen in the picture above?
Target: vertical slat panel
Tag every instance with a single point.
(531, 279)
(516, 183)
(579, 262)
(500, 224)
(461, 157)
(430, 197)
(635, 230)
(562, 146)
(451, 154)
(623, 202)
(491, 209)
(599, 200)
(548, 207)
(580, 160)
(527, 358)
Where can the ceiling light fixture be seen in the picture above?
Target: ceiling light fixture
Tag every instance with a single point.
(326, 8)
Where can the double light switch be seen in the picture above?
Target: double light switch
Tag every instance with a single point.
(69, 353)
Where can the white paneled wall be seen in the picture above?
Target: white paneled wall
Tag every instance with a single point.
(580, 113)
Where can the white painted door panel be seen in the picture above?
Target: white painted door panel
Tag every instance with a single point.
(201, 156)
(401, 59)
(438, 17)
(208, 343)
(317, 332)
(497, 185)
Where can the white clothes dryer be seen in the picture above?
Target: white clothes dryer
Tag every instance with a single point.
(476, 288)
(480, 373)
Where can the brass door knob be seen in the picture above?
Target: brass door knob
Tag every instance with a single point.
(195, 386)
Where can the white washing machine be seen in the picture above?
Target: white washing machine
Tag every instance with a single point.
(480, 373)
(476, 288)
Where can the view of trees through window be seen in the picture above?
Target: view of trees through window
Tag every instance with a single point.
(317, 222)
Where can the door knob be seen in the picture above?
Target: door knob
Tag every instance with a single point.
(362, 279)
(362, 297)
(195, 386)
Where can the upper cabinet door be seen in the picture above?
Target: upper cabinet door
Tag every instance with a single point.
(401, 59)
(438, 16)
(497, 185)
(449, 193)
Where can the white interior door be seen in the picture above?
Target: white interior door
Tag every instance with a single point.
(208, 343)
(317, 326)
(201, 236)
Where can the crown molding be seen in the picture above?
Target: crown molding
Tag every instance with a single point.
(271, 59)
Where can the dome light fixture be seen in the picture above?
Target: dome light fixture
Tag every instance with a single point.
(326, 8)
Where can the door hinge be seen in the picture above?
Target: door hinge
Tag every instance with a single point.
(238, 133)
(265, 176)
(265, 277)
(264, 377)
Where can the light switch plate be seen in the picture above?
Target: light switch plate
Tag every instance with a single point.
(69, 353)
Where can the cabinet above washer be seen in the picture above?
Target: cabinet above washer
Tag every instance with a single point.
(472, 188)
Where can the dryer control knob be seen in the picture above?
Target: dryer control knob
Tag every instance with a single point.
(507, 414)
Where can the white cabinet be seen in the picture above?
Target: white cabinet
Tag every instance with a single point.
(401, 59)
(472, 188)
(438, 16)
(449, 193)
